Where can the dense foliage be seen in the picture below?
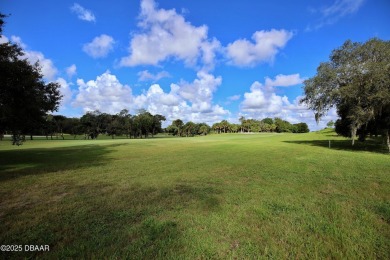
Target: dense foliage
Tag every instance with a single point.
(178, 128)
(94, 123)
(356, 81)
(266, 125)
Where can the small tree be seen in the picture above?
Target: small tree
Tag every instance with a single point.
(330, 124)
(301, 128)
(156, 125)
(282, 125)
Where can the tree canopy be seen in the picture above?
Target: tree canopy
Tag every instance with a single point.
(356, 80)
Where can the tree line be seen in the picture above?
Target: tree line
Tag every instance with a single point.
(277, 125)
(144, 125)
(94, 123)
(178, 128)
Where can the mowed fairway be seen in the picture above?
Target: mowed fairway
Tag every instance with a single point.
(219, 196)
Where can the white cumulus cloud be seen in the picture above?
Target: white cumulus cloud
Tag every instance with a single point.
(185, 100)
(18, 40)
(65, 91)
(189, 101)
(48, 69)
(261, 104)
(100, 46)
(200, 91)
(156, 101)
(263, 48)
(82, 13)
(262, 99)
(166, 34)
(105, 93)
(284, 80)
(255, 99)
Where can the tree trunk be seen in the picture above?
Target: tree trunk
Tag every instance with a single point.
(362, 135)
(31, 137)
(353, 134)
(388, 139)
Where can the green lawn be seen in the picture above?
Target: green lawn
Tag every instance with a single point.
(219, 196)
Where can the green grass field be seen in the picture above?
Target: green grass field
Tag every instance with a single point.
(219, 196)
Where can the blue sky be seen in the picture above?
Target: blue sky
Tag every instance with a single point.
(196, 60)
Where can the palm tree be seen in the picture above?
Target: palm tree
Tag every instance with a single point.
(179, 124)
(224, 124)
(234, 128)
(203, 130)
(216, 127)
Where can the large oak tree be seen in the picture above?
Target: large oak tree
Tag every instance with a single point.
(25, 98)
(356, 80)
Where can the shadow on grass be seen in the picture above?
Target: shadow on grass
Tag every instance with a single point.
(383, 210)
(372, 145)
(108, 221)
(16, 163)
